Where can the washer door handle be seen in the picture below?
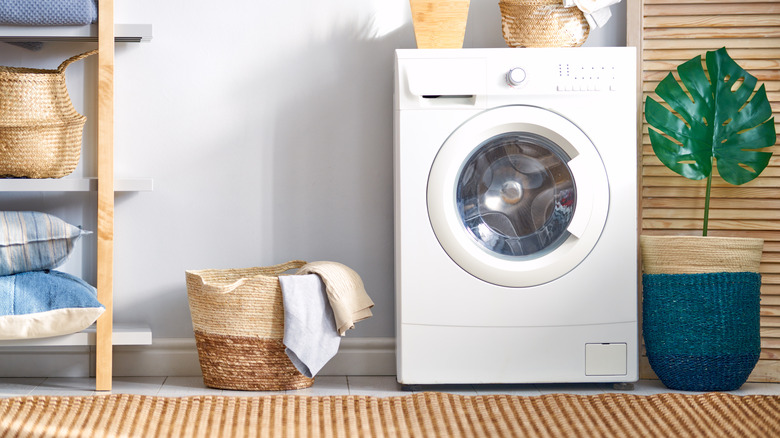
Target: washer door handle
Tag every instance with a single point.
(584, 180)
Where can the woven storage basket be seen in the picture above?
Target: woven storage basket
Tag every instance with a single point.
(542, 23)
(40, 130)
(238, 319)
(701, 310)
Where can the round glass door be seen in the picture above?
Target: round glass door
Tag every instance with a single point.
(518, 196)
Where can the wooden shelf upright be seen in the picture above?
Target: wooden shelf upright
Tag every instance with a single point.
(105, 196)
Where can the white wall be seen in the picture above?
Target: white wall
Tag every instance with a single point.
(267, 127)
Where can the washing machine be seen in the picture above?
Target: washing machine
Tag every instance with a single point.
(515, 174)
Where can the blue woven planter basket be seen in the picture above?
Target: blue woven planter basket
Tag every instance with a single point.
(702, 330)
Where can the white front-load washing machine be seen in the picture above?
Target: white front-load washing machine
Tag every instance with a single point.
(516, 215)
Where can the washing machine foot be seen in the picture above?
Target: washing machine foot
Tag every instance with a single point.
(623, 386)
(411, 388)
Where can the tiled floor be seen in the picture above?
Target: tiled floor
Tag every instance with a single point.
(382, 386)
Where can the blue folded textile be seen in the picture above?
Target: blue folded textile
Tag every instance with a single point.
(48, 12)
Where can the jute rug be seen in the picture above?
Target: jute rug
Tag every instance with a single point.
(417, 415)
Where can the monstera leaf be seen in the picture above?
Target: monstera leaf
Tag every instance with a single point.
(718, 118)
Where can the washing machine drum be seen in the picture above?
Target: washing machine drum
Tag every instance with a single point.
(518, 196)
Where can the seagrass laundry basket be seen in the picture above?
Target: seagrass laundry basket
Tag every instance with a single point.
(238, 320)
(701, 310)
(542, 23)
(40, 130)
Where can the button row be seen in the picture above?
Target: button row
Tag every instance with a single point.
(596, 86)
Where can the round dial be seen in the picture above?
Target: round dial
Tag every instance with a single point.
(515, 76)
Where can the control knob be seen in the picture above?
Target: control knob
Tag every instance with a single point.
(515, 76)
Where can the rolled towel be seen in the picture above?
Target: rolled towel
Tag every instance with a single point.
(310, 335)
(345, 290)
(48, 12)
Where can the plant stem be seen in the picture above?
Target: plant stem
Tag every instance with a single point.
(707, 204)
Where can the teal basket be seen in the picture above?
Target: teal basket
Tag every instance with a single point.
(702, 331)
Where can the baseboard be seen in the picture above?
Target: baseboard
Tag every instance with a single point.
(363, 357)
(44, 362)
(179, 357)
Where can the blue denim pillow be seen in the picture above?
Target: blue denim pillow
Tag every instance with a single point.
(34, 241)
(40, 304)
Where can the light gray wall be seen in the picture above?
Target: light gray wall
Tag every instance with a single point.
(267, 127)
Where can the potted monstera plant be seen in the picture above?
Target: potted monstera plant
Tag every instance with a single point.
(701, 293)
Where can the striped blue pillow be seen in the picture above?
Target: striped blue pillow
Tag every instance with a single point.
(34, 241)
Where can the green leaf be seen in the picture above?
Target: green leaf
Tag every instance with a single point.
(716, 116)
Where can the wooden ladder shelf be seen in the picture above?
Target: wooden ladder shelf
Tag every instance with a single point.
(103, 336)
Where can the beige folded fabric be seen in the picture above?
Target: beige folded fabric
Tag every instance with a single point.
(345, 290)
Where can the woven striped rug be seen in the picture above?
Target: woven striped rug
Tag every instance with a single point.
(418, 415)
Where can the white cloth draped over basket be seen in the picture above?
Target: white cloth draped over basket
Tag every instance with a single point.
(321, 302)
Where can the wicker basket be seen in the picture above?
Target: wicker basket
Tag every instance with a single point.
(238, 319)
(40, 130)
(542, 23)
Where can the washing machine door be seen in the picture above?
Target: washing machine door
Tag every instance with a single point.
(518, 196)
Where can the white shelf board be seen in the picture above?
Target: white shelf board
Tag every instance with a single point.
(123, 334)
(68, 184)
(131, 33)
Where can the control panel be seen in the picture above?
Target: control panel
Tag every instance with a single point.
(580, 77)
(528, 78)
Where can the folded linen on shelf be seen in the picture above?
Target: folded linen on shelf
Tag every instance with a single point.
(310, 335)
(345, 290)
(48, 12)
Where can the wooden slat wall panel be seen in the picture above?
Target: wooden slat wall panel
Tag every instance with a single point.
(668, 33)
(682, 9)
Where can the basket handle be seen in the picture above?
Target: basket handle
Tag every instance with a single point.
(266, 271)
(282, 267)
(73, 59)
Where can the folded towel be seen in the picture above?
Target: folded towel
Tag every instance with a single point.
(310, 335)
(48, 12)
(346, 293)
